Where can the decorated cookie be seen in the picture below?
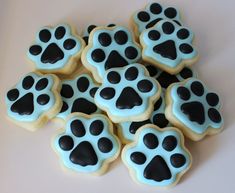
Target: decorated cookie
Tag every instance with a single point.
(157, 157)
(152, 14)
(109, 47)
(194, 109)
(34, 100)
(165, 79)
(87, 31)
(56, 50)
(78, 96)
(128, 93)
(168, 46)
(127, 130)
(87, 144)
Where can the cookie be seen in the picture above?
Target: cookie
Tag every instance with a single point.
(34, 100)
(151, 15)
(194, 109)
(157, 157)
(128, 93)
(165, 79)
(168, 46)
(127, 130)
(87, 144)
(89, 28)
(56, 49)
(78, 96)
(109, 47)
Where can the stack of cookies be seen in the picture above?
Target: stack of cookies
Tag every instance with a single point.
(111, 81)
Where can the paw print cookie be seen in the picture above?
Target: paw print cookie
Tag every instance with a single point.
(157, 157)
(128, 93)
(87, 31)
(168, 46)
(34, 100)
(151, 15)
(88, 144)
(165, 79)
(78, 96)
(109, 47)
(127, 130)
(193, 108)
(56, 49)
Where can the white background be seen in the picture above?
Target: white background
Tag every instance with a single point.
(27, 161)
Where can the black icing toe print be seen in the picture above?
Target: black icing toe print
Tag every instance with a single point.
(87, 31)
(168, 46)
(127, 92)
(157, 157)
(127, 130)
(32, 97)
(109, 48)
(165, 79)
(78, 96)
(197, 108)
(152, 14)
(54, 48)
(87, 143)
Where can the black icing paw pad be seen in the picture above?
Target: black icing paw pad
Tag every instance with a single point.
(199, 105)
(54, 47)
(78, 96)
(152, 14)
(158, 157)
(165, 79)
(110, 48)
(126, 90)
(31, 97)
(87, 143)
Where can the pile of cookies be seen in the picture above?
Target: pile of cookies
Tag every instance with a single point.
(137, 85)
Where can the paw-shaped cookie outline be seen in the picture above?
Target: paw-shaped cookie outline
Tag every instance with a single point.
(87, 144)
(168, 46)
(165, 79)
(109, 47)
(157, 157)
(194, 108)
(34, 100)
(56, 49)
(132, 82)
(89, 28)
(127, 130)
(151, 15)
(78, 96)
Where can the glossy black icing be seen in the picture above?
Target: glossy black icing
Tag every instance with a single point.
(131, 52)
(155, 8)
(13, 94)
(177, 160)
(28, 82)
(96, 127)
(104, 39)
(52, 54)
(41, 84)
(113, 77)
(212, 99)
(160, 120)
(197, 88)
(145, 86)
(24, 105)
(66, 143)
(115, 60)
(169, 143)
(166, 49)
(107, 93)
(143, 16)
(131, 73)
(105, 145)
(77, 128)
(98, 55)
(214, 115)
(154, 35)
(83, 84)
(183, 93)
(168, 28)
(69, 44)
(150, 140)
(44, 35)
(138, 158)
(67, 91)
(43, 99)
(186, 48)
(59, 32)
(134, 126)
(83, 105)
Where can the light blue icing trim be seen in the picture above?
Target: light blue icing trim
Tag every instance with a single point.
(93, 140)
(142, 25)
(176, 108)
(149, 44)
(77, 94)
(100, 66)
(150, 153)
(111, 104)
(38, 109)
(125, 126)
(67, 53)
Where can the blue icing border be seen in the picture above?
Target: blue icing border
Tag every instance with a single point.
(77, 94)
(149, 44)
(177, 102)
(150, 153)
(94, 44)
(38, 109)
(67, 53)
(141, 26)
(102, 157)
(110, 104)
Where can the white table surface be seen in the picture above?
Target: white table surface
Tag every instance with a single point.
(27, 162)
